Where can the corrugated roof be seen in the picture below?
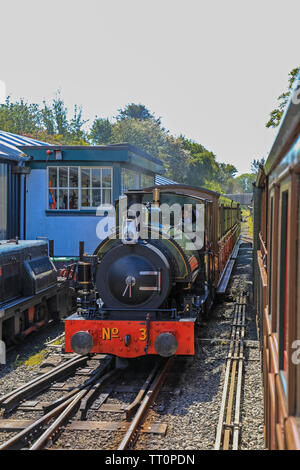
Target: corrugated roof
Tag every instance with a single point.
(161, 180)
(9, 145)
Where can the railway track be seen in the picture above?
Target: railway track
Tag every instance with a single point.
(58, 415)
(229, 424)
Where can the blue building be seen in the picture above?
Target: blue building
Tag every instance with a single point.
(66, 184)
(12, 184)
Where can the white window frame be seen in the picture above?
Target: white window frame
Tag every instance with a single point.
(79, 188)
(90, 187)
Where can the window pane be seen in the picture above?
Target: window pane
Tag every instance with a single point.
(73, 199)
(73, 177)
(130, 180)
(283, 283)
(147, 181)
(63, 176)
(85, 198)
(96, 194)
(52, 199)
(106, 196)
(63, 198)
(52, 177)
(85, 177)
(96, 178)
(106, 178)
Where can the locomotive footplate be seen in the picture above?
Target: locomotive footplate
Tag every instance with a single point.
(130, 339)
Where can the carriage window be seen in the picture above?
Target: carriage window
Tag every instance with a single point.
(283, 283)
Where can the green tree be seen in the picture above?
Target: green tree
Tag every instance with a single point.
(147, 135)
(276, 114)
(75, 127)
(225, 177)
(60, 115)
(174, 157)
(135, 111)
(101, 131)
(19, 117)
(47, 118)
(256, 163)
(245, 180)
(202, 167)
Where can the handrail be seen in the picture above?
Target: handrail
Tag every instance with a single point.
(274, 356)
(281, 398)
(264, 250)
(263, 272)
(272, 403)
(263, 245)
(229, 232)
(267, 322)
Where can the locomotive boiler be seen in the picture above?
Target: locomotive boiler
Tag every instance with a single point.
(147, 285)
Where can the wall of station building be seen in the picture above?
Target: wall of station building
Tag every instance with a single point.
(51, 215)
(66, 228)
(11, 202)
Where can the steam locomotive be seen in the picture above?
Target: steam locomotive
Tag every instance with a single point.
(148, 284)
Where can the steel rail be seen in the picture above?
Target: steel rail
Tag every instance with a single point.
(236, 429)
(34, 427)
(11, 400)
(145, 404)
(225, 386)
(227, 435)
(55, 339)
(94, 390)
(228, 423)
(56, 425)
(37, 379)
(98, 371)
(132, 406)
(59, 410)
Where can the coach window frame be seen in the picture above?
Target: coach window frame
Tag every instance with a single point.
(274, 193)
(293, 327)
(282, 302)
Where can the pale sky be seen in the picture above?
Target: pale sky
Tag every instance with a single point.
(211, 69)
